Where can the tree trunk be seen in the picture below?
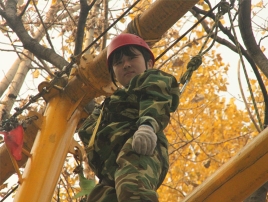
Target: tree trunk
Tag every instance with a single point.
(15, 86)
(248, 37)
(4, 83)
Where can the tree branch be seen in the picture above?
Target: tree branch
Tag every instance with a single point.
(244, 20)
(105, 24)
(45, 28)
(15, 23)
(81, 25)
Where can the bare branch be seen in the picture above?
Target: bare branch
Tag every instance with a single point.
(65, 8)
(105, 24)
(45, 28)
(81, 25)
(28, 42)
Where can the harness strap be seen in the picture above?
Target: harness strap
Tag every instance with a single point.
(92, 139)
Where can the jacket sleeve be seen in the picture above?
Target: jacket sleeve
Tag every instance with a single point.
(158, 96)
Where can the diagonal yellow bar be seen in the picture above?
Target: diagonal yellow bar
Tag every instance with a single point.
(49, 151)
(239, 177)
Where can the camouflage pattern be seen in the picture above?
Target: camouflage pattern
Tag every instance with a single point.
(125, 175)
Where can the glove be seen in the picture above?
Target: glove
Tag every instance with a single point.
(144, 140)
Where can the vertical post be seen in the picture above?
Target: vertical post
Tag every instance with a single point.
(49, 151)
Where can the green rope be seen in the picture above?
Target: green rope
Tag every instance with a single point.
(245, 71)
(196, 61)
(193, 65)
(222, 9)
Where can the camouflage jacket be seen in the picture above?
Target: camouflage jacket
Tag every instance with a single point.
(149, 99)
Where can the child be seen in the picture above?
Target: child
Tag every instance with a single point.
(129, 153)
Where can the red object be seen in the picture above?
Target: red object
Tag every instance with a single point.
(14, 141)
(126, 39)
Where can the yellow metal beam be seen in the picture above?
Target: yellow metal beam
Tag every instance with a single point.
(49, 151)
(239, 177)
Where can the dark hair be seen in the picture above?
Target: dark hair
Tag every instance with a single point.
(127, 51)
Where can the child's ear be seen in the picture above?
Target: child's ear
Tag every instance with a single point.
(150, 64)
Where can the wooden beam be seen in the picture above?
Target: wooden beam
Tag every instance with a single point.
(239, 177)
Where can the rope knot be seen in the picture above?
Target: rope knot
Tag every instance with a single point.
(224, 7)
(194, 63)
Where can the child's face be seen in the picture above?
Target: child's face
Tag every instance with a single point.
(130, 66)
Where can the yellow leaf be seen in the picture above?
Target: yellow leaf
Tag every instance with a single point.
(54, 2)
(184, 39)
(259, 4)
(201, 2)
(122, 20)
(36, 74)
(205, 7)
(132, 16)
(222, 21)
(198, 97)
(253, 81)
(223, 88)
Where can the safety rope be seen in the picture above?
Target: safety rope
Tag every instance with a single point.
(245, 71)
(196, 61)
(192, 65)
(183, 35)
(90, 146)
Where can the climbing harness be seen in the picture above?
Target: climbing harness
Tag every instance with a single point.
(90, 146)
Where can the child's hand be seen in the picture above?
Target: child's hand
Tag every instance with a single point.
(144, 140)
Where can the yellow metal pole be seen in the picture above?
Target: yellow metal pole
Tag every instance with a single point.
(49, 151)
(239, 177)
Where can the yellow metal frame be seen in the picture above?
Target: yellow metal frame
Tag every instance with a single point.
(49, 151)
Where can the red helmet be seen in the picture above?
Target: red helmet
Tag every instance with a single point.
(126, 39)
